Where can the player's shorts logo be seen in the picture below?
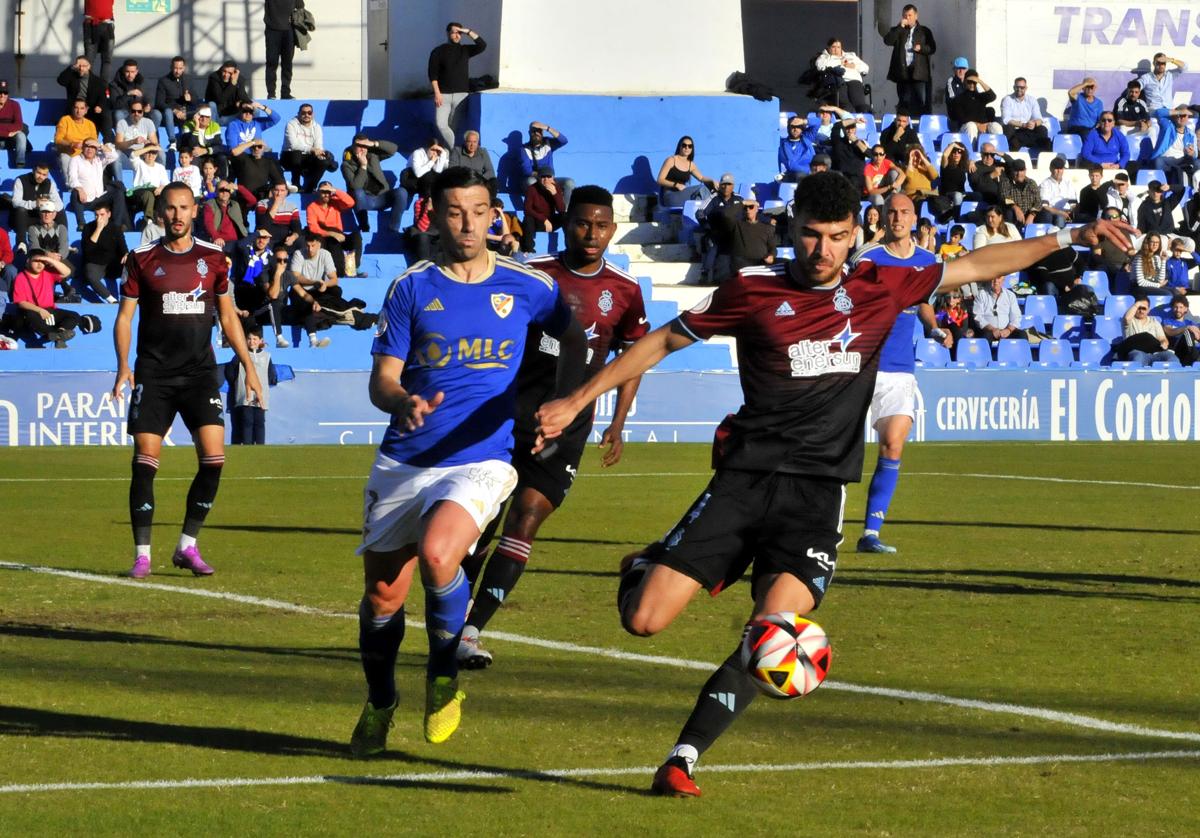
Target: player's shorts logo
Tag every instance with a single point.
(502, 304)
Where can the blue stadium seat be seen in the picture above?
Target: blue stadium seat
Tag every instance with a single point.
(1012, 354)
(784, 116)
(1172, 364)
(1144, 176)
(647, 286)
(1098, 282)
(886, 120)
(620, 260)
(786, 192)
(934, 123)
(1055, 353)
(688, 224)
(1108, 329)
(659, 312)
(929, 143)
(918, 330)
(1093, 352)
(1068, 145)
(1159, 304)
(931, 353)
(1041, 307)
(1068, 327)
(1028, 322)
(1115, 305)
(998, 140)
(1032, 231)
(952, 137)
(868, 122)
(785, 253)
(972, 352)
(1053, 127)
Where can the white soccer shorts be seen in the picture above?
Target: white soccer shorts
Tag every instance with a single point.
(895, 395)
(398, 495)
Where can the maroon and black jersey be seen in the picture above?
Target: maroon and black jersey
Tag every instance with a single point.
(177, 297)
(608, 305)
(807, 358)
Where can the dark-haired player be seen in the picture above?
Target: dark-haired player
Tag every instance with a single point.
(175, 284)
(447, 348)
(809, 335)
(608, 304)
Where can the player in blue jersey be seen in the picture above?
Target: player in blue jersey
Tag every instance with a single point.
(448, 344)
(893, 407)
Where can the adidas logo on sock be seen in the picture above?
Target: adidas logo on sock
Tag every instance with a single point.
(726, 700)
(436, 305)
(785, 310)
(498, 593)
(145, 507)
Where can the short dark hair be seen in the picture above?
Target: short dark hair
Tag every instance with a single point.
(691, 155)
(826, 196)
(908, 8)
(958, 230)
(903, 112)
(180, 59)
(593, 195)
(453, 25)
(832, 41)
(130, 62)
(311, 236)
(458, 177)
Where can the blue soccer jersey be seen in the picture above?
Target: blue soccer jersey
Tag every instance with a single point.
(465, 340)
(897, 354)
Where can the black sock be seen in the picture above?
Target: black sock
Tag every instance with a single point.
(202, 493)
(500, 576)
(724, 697)
(378, 642)
(141, 497)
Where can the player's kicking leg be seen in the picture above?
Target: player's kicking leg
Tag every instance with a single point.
(526, 514)
(893, 407)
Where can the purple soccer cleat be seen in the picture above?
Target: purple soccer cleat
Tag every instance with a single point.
(189, 559)
(140, 569)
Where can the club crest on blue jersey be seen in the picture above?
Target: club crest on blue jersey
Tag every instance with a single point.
(812, 358)
(502, 304)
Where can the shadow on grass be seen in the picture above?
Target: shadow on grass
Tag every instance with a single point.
(88, 635)
(35, 723)
(1056, 583)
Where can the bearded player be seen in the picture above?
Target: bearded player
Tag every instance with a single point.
(809, 335)
(607, 302)
(449, 341)
(176, 284)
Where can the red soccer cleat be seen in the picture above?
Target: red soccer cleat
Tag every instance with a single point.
(673, 780)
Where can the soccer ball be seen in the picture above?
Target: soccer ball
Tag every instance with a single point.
(786, 655)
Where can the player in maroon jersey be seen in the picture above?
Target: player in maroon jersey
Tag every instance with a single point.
(176, 284)
(808, 336)
(608, 304)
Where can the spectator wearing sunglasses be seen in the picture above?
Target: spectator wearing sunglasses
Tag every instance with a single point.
(882, 177)
(135, 131)
(1022, 119)
(1104, 145)
(305, 157)
(1158, 85)
(128, 86)
(677, 172)
(796, 150)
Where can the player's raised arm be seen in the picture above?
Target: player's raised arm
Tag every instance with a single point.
(995, 260)
(554, 416)
(388, 395)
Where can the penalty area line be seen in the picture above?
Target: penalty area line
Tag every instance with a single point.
(573, 773)
(1045, 714)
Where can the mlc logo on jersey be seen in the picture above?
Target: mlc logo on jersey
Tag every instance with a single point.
(812, 358)
(436, 351)
(502, 304)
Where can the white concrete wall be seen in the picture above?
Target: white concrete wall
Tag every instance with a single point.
(203, 31)
(417, 26)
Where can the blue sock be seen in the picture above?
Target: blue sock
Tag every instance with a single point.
(445, 614)
(879, 495)
(378, 642)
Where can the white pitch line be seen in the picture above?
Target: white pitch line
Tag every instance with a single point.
(573, 773)
(1038, 479)
(1057, 716)
(362, 477)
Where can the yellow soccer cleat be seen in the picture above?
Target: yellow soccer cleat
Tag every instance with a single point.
(443, 708)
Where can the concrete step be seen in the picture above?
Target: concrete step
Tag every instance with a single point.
(658, 252)
(631, 208)
(645, 232)
(666, 273)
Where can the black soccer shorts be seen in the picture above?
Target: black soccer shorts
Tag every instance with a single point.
(777, 522)
(154, 404)
(553, 474)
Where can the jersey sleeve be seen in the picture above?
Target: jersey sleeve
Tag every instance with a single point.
(719, 314)
(633, 324)
(393, 331)
(550, 310)
(131, 287)
(912, 285)
(221, 285)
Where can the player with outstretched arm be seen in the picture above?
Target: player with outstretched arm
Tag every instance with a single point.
(448, 344)
(175, 284)
(809, 335)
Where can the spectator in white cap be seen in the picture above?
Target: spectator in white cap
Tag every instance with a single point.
(956, 84)
(48, 233)
(718, 216)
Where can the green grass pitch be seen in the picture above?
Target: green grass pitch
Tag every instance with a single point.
(1000, 675)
